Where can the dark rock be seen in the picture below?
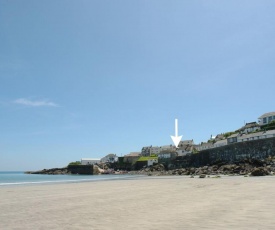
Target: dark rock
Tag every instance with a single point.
(259, 172)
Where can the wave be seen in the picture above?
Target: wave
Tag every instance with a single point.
(69, 181)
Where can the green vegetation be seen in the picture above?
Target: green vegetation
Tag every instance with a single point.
(194, 151)
(228, 134)
(147, 158)
(75, 163)
(269, 126)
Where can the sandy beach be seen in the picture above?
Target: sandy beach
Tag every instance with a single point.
(147, 203)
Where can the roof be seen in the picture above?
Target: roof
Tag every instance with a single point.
(219, 137)
(186, 142)
(133, 154)
(250, 125)
(90, 159)
(233, 135)
(147, 158)
(267, 114)
(206, 144)
(257, 134)
(110, 155)
(221, 142)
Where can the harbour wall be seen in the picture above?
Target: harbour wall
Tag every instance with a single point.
(256, 149)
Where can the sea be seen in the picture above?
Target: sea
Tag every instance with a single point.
(17, 178)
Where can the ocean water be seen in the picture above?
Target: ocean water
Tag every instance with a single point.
(19, 178)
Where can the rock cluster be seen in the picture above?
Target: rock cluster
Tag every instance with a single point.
(53, 171)
(246, 168)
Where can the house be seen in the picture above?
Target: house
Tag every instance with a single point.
(266, 118)
(186, 142)
(131, 157)
(89, 161)
(110, 158)
(145, 151)
(204, 146)
(256, 136)
(185, 147)
(155, 150)
(220, 143)
(146, 161)
(167, 149)
(233, 138)
(249, 127)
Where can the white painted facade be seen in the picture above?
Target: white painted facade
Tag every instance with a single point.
(256, 136)
(220, 143)
(89, 161)
(111, 158)
(154, 150)
(266, 118)
(150, 162)
(205, 146)
(164, 155)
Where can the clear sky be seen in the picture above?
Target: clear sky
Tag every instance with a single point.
(87, 78)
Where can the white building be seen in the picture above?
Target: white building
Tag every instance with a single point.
(233, 138)
(164, 155)
(89, 161)
(152, 161)
(220, 143)
(204, 146)
(250, 127)
(167, 148)
(256, 136)
(154, 150)
(266, 118)
(110, 158)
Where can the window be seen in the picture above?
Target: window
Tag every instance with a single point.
(270, 119)
(273, 117)
(264, 120)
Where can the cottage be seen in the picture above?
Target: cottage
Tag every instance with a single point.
(220, 143)
(204, 146)
(256, 136)
(185, 147)
(250, 127)
(155, 150)
(233, 138)
(186, 142)
(167, 149)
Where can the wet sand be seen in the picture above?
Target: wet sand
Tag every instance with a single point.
(149, 203)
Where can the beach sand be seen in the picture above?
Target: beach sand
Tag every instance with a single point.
(148, 203)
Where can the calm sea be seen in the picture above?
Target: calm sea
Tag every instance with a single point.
(19, 178)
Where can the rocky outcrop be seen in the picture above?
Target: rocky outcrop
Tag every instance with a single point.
(53, 171)
(243, 168)
(71, 169)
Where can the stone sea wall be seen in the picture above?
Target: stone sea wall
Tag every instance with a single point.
(256, 149)
(81, 169)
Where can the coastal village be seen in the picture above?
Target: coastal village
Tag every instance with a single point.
(249, 150)
(167, 154)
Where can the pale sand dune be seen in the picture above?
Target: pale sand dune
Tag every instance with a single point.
(149, 203)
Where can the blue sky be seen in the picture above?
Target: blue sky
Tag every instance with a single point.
(88, 78)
